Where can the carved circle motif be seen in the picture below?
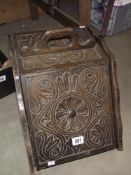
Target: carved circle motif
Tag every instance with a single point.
(72, 114)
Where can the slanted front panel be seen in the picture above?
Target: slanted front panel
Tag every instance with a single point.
(65, 104)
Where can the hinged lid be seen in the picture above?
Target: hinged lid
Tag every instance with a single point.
(55, 48)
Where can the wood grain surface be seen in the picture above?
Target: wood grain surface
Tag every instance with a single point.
(14, 10)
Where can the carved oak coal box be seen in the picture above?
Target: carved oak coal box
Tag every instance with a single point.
(67, 95)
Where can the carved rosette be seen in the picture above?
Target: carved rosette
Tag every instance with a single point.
(71, 114)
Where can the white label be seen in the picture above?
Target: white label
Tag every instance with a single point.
(17, 77)
(77, 140)
(82, 27)
(2, 78)
(21, 106)
(51, 163)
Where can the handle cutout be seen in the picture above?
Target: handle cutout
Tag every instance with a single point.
(60, 42)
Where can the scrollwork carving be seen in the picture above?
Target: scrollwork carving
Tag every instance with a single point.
(51, 146)
(68, 104)
(46, 60)
(99, 133)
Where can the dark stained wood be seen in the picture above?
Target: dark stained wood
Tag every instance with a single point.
(66, 87)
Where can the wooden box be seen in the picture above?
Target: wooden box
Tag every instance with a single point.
(67, 95)
(7, 85)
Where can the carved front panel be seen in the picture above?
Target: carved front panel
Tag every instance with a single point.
(65, 104)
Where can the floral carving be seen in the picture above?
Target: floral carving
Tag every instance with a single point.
(68, 82)
(71, 114)
(50, 146)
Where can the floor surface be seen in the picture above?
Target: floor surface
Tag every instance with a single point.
(13, 160)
